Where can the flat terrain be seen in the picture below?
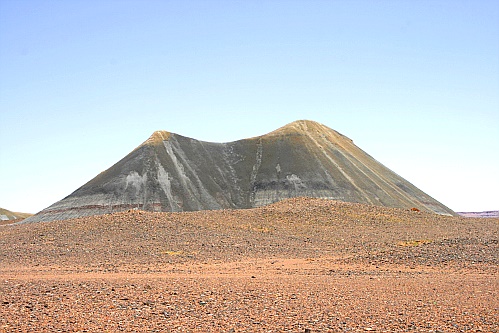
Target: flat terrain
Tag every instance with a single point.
(302, 265)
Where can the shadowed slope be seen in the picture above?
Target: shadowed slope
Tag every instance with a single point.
(170, 172)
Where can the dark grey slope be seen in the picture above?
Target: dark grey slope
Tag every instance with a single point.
(170, 172)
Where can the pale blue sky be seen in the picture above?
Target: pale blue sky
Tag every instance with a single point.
(413, 83)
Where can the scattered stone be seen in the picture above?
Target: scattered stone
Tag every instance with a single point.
(115, 277)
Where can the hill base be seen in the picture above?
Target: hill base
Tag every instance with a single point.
(301, 265)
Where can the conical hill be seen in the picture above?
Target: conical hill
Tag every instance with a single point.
(170, 172)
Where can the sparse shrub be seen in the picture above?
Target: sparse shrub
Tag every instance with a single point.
(417, 242)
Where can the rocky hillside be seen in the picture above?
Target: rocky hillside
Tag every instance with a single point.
(292, 228)
(170, 172)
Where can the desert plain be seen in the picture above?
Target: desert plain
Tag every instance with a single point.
(300, 265)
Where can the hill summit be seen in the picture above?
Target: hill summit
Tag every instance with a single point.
(170, 172)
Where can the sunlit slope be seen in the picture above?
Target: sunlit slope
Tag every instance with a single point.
(170, 172)
(6, 216)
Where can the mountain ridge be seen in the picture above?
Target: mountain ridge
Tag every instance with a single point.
(171, 172)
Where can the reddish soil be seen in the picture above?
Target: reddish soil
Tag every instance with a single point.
(302, 265)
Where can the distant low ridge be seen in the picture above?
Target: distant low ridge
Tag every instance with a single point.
(7, 217)
(170, 172)
(489, 213)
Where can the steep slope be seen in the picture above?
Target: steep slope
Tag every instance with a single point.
(170, 172)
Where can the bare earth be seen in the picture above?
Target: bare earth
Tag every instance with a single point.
(302, 265)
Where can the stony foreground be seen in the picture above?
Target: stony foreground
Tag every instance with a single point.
(302, 265)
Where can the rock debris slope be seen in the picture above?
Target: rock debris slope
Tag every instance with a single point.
(170, 172)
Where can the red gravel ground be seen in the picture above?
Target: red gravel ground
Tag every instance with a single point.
(302, 265)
